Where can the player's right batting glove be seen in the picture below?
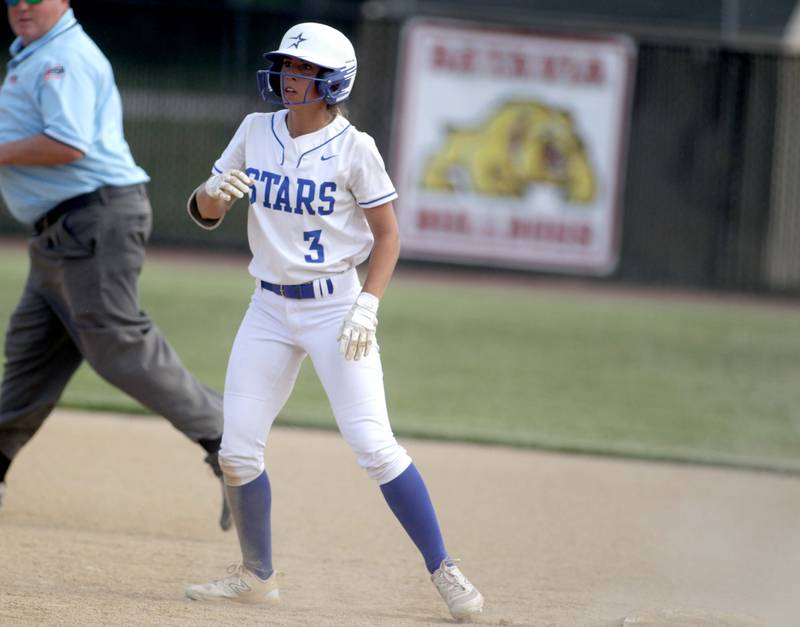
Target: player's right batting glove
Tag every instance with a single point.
(229, 185)
(358, 329)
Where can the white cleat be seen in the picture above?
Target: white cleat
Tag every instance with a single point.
(462, 598)
(240, 585)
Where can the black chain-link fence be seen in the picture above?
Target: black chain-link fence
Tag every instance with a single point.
(711, 186)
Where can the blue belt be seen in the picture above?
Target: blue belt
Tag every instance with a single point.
(303, 290)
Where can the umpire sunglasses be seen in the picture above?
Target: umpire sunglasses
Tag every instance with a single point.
(13, 3)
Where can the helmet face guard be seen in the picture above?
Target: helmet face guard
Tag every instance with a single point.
(331, 84)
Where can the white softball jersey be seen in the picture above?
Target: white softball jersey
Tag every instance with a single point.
(306, 217)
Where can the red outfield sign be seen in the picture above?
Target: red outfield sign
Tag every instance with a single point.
(510, 147)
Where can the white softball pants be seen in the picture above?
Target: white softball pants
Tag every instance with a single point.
(274, 337)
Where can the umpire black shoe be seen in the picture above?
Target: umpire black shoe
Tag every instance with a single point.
(225, 518)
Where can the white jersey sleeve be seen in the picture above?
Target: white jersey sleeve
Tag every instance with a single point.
(233, 157)
(369, 182)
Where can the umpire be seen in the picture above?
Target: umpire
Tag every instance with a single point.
(66, 170)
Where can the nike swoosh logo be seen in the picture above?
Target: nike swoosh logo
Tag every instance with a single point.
(326, 157)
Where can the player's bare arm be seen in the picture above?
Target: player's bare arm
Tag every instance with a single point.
(383, 224)
(211, 208)
(38, 150)
(357, 334)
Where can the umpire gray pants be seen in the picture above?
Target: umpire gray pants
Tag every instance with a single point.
(81, 301)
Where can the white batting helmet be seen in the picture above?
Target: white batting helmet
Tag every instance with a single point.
(318, 44)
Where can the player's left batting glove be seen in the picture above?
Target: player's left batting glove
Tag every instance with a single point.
(358, 329)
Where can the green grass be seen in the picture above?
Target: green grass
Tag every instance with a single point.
(653, 378)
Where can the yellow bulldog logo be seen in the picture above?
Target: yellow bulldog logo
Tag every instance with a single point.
(523, 143)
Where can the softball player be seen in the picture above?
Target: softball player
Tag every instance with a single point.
(320, 204)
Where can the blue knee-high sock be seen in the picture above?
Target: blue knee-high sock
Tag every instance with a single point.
(408, 498)
(250, 505)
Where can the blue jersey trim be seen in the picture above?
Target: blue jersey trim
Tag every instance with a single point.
(374, 200)
(346, 128)
(277, 139)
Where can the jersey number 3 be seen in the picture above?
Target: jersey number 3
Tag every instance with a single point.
(317, 251)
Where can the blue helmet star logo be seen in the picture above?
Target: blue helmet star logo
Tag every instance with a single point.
(300, 39)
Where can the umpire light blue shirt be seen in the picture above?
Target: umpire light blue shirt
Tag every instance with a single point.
(63, 86)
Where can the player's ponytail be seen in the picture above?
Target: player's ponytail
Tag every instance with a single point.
(338, 109)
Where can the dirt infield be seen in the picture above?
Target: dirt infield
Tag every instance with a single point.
(108, 517)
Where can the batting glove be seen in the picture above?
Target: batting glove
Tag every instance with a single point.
(229, 185)
(358, 329)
